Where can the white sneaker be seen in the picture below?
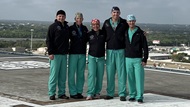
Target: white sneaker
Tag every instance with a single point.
(89, 98)
(97, 96)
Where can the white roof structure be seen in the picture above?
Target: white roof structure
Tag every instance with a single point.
(158, 54)
(187, 52)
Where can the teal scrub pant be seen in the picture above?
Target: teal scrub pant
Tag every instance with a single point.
(95, 74)
(77, 64)
(115, 60)
(135, 76)
(58, 71)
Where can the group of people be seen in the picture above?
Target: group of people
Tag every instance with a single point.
(121, 40)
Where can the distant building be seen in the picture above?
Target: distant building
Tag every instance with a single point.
(41, 51)
(18, 49)
(159, 56)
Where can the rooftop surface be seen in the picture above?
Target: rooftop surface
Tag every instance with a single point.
(27, 85)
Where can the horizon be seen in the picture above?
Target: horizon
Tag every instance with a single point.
(84, 22)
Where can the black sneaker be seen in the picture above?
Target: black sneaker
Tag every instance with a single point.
(108, 97)
(74, 96)
(131, 99)
(52, 97)
(80, 96)
(63, 97)
(96, 96)
(140, 101)
(122, 98)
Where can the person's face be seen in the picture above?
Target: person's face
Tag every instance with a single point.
(131, 23)
(78, 20)
(115, 14)
(96, 27)
(61, 18)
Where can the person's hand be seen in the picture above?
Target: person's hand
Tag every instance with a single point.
(51, 57)
(143, 64)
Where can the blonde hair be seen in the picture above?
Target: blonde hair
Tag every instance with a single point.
(79, 15)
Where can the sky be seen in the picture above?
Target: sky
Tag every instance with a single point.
(146, 11)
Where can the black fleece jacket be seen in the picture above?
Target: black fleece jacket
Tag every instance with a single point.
(96, 43)
(77, 42)
(138, 47)
(57, 39)
(115, 38)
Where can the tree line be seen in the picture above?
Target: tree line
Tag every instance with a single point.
(169, 35)
(22, 43)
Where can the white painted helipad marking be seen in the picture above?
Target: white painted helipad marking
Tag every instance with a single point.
(6, 102)
(150, 100)
(11, 65)
(19, 57)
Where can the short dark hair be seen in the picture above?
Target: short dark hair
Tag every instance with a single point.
(61, 12)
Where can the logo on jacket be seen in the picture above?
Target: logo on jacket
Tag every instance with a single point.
(107, 25)
(101, 36)
(59, 27)
(91, 37)
(74, 33)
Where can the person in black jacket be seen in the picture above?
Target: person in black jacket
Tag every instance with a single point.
(96, 60)
(57, 41)
(136, 55)
(114, 29)
(77, 57)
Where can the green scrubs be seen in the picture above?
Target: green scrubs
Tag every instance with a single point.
(58, 71)
(77, 63)
(95, 74)
(135, 76)
(115, 60)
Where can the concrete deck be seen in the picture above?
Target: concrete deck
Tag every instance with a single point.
(29, 85)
